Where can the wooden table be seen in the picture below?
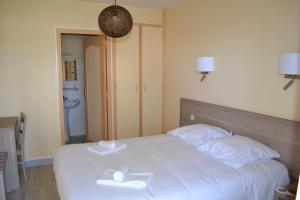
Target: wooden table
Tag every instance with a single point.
(8, 144)
(3, 157)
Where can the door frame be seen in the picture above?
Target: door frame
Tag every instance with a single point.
(109, 94)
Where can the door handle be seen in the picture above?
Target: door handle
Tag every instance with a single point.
(85, 92)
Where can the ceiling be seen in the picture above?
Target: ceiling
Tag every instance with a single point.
(160, 4)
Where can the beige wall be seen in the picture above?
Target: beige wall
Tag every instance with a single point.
(28, 70)
(246, 38)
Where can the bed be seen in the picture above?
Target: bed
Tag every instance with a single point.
(180, 170)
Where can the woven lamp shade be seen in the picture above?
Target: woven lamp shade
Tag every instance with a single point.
(115, 21)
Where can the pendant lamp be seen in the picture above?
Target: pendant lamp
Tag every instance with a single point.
(115, 21)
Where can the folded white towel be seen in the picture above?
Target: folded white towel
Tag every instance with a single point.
(132, 180)
(103, 151)
(108, 144)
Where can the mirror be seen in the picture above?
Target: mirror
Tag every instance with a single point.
(69, 70)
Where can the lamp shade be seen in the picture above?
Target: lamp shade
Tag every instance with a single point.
(115, 21)
(290, 64)
(205, 64)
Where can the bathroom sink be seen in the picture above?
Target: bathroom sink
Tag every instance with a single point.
(71, 103)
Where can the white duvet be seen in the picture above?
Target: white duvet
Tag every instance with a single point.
(181, 172)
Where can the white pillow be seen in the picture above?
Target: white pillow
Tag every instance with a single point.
(198, 134)
(237, 151)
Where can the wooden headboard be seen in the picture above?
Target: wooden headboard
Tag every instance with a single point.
(280, 134)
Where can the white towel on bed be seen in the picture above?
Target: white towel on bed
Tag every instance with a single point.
(121, 174)
(106, 150)
(132, 180)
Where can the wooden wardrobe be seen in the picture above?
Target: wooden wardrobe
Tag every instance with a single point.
(139, 82)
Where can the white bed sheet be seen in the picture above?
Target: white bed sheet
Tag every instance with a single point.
(181, 172)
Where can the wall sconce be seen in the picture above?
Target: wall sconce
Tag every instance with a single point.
(205, 65)
(290, 67)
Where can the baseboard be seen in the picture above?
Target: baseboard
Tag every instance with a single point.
(38, 162)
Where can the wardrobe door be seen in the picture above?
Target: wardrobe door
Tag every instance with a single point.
(151, 80)
(127, 80)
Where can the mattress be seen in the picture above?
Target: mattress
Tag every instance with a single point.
(181, 172)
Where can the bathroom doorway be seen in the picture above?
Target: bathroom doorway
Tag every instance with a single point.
(83, 87)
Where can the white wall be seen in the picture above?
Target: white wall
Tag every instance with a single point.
(73, 44)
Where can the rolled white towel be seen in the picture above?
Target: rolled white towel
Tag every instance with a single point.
(121, 174)
(124, 178)
(108, 144)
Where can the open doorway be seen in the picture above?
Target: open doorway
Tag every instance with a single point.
(83, 87)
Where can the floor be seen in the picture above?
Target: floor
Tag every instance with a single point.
(76, 139)
(40, 185)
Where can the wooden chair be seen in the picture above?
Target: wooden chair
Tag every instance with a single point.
(20, 144)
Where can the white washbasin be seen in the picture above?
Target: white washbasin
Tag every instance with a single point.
(71, 103)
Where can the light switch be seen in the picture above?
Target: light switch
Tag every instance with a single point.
(192, 116)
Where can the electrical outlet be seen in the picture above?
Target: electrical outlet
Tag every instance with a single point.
(192, 116)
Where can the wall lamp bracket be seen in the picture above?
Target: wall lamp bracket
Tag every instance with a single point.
(204, 74)
(291, 82)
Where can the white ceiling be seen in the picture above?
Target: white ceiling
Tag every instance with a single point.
(161, 4)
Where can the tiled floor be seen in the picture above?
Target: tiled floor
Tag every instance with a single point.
(40, 185)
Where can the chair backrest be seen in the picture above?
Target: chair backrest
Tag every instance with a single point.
(22, 128)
